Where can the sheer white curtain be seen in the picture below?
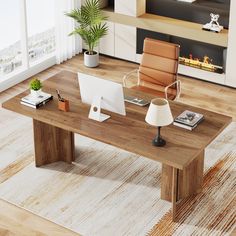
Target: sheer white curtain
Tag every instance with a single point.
(66, 46)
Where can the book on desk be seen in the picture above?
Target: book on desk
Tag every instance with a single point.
(36, 102)
(188, 120)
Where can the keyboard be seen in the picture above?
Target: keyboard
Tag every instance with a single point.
(137, 101)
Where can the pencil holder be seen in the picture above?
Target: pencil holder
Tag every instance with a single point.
(63, 105)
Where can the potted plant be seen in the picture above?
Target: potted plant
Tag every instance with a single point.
(35, 87)
(91, 28)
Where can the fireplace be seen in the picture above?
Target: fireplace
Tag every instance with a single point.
(204, 64)
(197, 55)
(200, 55)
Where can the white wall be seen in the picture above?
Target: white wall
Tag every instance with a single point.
(130, 7)
(107, 43)
(231, 52)
(125, 42)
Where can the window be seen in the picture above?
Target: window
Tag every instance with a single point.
(10, 39)
(41, 28)
(27, 40)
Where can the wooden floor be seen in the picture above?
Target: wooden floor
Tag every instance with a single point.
(18, 222)
(194, 92)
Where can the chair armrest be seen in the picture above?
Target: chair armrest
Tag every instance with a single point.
(178, 83)
(128, 75)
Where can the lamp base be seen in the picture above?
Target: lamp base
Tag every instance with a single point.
(158, 142)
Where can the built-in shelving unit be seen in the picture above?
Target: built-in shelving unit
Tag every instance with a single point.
(170, 26)
(126, 16)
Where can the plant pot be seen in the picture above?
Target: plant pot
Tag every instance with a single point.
(91, 60)
(35, 93)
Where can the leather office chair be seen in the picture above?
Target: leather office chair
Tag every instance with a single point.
(157, 73)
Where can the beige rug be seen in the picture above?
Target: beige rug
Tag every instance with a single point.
(108, 191)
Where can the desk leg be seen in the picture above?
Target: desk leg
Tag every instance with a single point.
(191, 178)
(189, 181)
(174, 192)
(52, 144)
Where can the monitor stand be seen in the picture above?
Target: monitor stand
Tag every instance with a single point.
(95, 110)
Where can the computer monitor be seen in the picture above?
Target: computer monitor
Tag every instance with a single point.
(101, 94)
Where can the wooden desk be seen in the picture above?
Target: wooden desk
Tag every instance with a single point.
(182, 157)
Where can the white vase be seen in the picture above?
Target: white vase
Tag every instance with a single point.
(91, 60)
(35, 93)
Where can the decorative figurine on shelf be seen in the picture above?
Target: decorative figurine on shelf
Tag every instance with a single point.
(214, 25)
(63, 104)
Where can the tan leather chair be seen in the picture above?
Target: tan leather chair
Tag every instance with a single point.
(157, 73)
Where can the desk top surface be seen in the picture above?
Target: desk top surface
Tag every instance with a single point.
(129, 132)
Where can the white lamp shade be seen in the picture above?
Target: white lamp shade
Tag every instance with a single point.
(159, 113)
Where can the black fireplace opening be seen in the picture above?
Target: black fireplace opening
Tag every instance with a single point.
(111, 3)
(192, 53)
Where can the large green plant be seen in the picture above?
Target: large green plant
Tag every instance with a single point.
(91, 27)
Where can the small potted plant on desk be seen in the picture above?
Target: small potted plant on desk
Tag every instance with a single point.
(35, 87)
(91, 29)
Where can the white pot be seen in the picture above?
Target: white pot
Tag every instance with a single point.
(91, 60)
(35, 93)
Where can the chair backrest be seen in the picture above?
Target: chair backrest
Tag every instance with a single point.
(159, 64)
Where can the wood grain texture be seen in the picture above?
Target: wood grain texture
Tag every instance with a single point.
(190, 179)
(174, 193)
(130, 133)
(166, 182)
(179, 184)
(15, 221)
(52, 144)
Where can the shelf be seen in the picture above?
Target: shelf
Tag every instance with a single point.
(170, 26)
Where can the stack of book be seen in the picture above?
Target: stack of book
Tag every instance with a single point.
(188, 120)
(36, 102)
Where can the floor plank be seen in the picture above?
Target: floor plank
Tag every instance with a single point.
(15, 221)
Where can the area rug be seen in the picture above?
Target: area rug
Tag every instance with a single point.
(108, 191)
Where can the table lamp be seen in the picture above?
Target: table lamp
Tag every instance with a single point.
(158, 115)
